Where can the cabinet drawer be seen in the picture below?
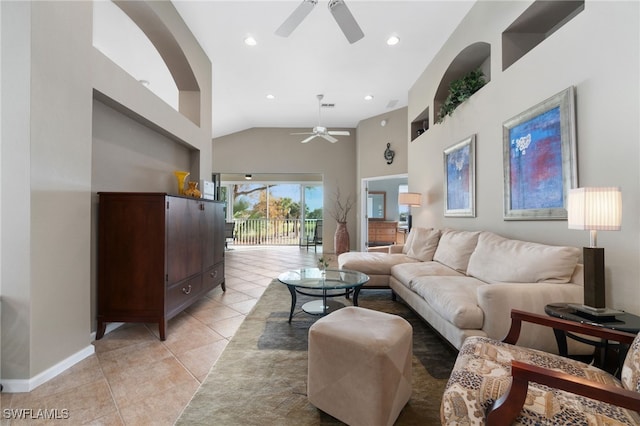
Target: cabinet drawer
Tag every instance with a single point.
(181, 295)
(212, 277)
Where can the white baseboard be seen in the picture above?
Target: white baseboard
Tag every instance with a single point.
(27, 385)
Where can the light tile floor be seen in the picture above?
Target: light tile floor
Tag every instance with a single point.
(136, 379)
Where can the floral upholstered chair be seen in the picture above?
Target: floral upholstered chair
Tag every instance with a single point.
(497, 383)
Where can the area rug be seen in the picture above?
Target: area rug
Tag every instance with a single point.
(260, 378)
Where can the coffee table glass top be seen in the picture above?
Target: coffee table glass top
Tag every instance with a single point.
(313, 278)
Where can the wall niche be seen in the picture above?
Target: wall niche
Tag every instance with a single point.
(474, 56)
(538, 22)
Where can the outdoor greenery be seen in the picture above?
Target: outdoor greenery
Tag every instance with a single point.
(460, 90)
(250, 202)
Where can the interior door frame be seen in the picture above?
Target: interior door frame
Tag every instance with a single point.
(364, 193)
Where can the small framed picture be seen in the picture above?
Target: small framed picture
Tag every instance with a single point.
(539, 158)
(459, 179)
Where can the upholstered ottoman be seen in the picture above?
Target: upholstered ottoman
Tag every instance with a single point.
(360, 365)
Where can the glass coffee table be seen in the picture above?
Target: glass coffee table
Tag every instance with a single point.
(324, 284)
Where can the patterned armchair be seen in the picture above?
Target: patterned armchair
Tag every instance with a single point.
(497, 383)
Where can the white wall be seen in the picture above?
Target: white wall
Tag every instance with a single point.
(49, 72)
(598, 53)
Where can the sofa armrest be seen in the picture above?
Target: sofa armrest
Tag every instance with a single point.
(378, 249)
(395, 248)
(497, 301)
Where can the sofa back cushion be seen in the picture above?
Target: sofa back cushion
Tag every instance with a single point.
(423, 244)
(498, 259)
(455, 248)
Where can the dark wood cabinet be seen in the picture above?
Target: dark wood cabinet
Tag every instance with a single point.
(157, 254)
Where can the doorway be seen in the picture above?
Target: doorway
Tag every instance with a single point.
(390, 186)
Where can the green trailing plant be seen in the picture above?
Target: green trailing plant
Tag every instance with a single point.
(460, 90)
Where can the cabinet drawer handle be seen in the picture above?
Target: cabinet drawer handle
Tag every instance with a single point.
(187, 290)
(214, 274)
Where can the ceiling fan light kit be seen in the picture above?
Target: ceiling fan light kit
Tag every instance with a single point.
(338, 8)
(322, 131)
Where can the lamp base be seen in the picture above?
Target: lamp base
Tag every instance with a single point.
(597, 314)
(409, 222)
(594, 277)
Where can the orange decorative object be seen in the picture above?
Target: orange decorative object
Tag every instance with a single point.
(181, 176)
(192, 190)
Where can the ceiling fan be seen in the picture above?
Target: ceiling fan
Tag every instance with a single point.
(321, 131)
(338, 9)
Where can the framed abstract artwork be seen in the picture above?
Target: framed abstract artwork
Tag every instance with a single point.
(459, 179)
(539, 158)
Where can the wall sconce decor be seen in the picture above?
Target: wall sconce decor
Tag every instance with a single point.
(389, 154)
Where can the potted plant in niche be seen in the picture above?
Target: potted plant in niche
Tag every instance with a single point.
(339, 212)
(460, 90)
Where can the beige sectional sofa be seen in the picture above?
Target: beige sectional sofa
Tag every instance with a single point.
(465, 283)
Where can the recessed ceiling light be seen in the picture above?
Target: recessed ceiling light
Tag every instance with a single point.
(393, 40)
(250, 41)
(248, 177)
(270, 96)
(368, 97)
(145, 83)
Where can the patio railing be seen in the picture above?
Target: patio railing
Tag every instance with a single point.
(272, 231)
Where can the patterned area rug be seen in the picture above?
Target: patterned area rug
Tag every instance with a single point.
(260, 378)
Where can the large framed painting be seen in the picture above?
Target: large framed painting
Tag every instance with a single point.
(459, 179)
(539, 156)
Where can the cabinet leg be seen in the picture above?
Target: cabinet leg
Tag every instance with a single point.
(224, 286)
(102, 327)
(162, 328)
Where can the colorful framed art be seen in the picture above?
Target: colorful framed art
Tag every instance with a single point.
(539, 158)
(459, 179)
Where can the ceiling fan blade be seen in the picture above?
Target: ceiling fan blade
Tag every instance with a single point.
(308, 139)
(298, 15)
(345, 20)
(339, 132)
(330, 138)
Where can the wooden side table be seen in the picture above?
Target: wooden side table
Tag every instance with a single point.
(611, 319)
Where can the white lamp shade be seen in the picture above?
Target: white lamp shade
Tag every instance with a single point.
(413, 199)
(595, 208)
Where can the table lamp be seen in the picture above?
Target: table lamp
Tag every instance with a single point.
(411, 199)
(595, 209)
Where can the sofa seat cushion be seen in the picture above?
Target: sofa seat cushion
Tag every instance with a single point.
(498, 259)
(455, 248)
(453, 298)
(482, 373)
(372, 263)
(406, 273)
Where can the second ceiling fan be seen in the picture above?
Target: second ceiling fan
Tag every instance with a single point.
(320, 131)
(338, 9)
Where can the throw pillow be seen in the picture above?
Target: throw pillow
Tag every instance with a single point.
(424, 244)
(499, 259)
(455, 248)
(409, 240)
